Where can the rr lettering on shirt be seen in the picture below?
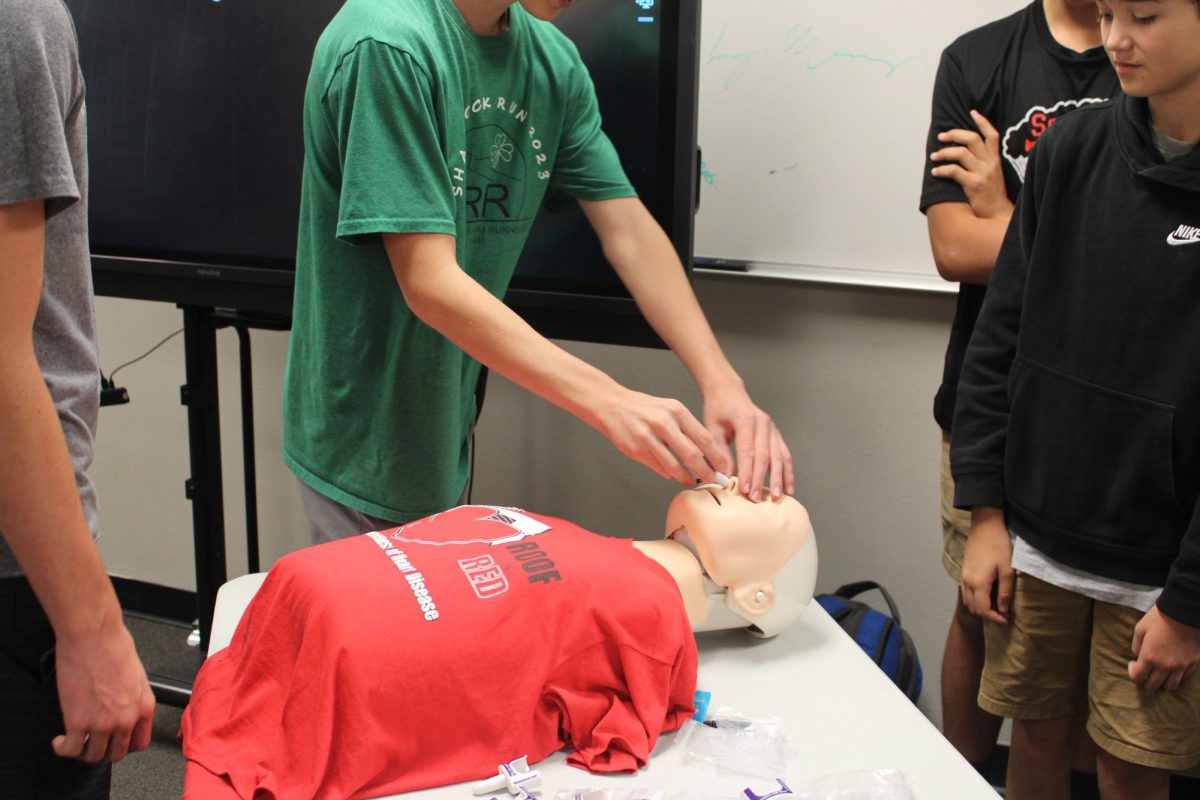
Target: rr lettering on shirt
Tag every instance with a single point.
(486, 577)
(534, 561)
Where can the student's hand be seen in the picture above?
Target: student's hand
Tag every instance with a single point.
(973, 162)
(1165, 651)
(107, 704)
(763, 457)
(987, 566)
(663, 435)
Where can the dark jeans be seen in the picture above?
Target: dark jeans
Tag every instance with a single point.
(29, 712)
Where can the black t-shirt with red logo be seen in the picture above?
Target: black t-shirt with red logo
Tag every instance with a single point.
(1014, 73)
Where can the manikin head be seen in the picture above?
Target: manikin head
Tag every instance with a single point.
(759, 559)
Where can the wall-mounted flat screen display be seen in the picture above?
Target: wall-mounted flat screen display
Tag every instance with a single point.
(195, 148)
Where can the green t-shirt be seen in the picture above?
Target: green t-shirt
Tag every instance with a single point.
(414, 124)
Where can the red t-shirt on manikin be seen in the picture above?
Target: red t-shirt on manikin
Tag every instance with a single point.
(429, 654)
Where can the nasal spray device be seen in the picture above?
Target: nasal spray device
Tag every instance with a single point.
(515, 776)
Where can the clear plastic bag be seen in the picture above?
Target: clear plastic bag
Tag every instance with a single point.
(617, 794)
(863, 784)
(754, 746)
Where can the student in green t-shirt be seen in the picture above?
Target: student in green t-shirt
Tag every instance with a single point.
(433, 131)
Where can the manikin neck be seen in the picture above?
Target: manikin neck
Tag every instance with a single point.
(703, 599)
(689, 576)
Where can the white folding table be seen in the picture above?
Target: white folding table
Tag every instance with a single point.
(840, 713)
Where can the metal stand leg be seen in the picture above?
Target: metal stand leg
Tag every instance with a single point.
(200, 396)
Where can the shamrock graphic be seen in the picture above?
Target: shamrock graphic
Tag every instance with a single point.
(502, 150)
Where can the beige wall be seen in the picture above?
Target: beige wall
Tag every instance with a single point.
(848, 374)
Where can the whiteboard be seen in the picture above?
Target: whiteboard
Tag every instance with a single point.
(812, 124)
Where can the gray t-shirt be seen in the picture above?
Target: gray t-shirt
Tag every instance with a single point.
(43, 154)
(1171, 147)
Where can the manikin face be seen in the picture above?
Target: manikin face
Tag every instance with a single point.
(545, 9)
(745, 547)
(1154, 45)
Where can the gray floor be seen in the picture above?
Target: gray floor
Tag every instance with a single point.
(157, 773)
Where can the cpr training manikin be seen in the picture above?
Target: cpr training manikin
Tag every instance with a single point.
(427, 654)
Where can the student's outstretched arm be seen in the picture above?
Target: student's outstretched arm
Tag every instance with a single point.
(108, 708)
(659, 433)
(643, 256)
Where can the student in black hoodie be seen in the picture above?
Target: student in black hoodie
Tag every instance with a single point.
(1077, 429)
(999, 88)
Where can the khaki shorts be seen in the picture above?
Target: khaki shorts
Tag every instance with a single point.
(1062, 654)
(956, 523)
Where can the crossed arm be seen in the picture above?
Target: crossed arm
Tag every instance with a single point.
(107, 704)
(659, 433)
(966, 237)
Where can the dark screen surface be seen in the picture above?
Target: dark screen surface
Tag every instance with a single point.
(195, 146)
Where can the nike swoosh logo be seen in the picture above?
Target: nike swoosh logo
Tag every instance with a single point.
(1175, 240)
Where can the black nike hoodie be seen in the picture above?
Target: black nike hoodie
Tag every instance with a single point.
(1079, 403)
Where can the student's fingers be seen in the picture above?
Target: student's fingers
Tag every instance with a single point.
(968, 597)
(762, 457)
(1004, 590)
(980, 602)
(991, 136)
(970, 140)
(782, 476)
(1174, 678)
(96, 747)
(743, 442)
(992, 615)
(726, 462)
(983, 599)
(651, 431)
(69, 745)
(139, 739)
(1139, 671)
(952, 172)
(1155, 679)
(1139, 635)
(118, 745)
(957, 155)
(687, 439)
(664, 462)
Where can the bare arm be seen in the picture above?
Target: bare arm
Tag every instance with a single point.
(639, 250)
(659, 433)
(107, 704)
(987, 566)
(966, 237)
(965, 246)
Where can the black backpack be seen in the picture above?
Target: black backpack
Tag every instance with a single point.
(879, 635)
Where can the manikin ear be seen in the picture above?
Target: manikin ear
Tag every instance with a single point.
(751, 601)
